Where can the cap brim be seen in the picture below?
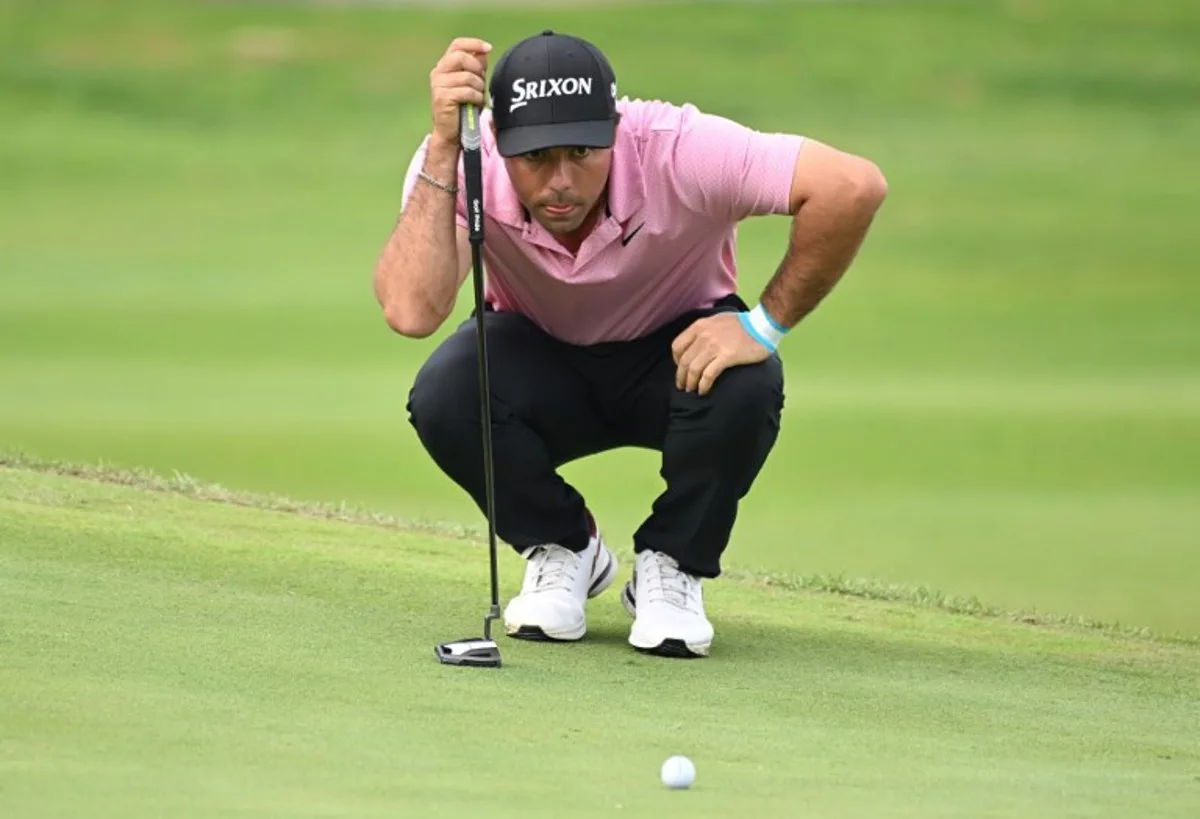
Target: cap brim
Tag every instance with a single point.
(525, 138)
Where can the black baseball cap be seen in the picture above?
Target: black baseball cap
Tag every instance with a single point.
(553, 90)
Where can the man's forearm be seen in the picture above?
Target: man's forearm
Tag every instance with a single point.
(827, 232)
(417, 273)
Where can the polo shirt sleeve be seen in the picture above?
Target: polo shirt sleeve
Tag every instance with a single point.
(411, 181)
(728, 171)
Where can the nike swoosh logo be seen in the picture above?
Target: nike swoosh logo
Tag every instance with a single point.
(625, 240)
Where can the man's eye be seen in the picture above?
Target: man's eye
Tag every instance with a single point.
(581, 152)
(535, 156)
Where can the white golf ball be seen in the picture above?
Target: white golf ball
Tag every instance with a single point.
(678, 772)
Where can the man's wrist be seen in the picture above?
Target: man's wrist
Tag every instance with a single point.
(441, 159)
(762, 327)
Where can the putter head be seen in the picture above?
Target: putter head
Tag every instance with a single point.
(483, 653)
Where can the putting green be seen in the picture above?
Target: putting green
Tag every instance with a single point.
(170, 654)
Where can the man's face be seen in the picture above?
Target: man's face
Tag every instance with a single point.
(560, 186)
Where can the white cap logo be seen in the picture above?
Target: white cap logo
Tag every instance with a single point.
(523, 90)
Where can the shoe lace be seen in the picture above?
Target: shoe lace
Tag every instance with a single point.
(552, 567)
(666, 581)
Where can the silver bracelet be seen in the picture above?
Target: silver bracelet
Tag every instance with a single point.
(451, 189)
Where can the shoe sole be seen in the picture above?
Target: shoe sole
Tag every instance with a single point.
(538, 634)
(535, 634)
(671, 647)
(676, 649)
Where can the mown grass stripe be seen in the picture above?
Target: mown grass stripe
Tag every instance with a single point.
(179, 483)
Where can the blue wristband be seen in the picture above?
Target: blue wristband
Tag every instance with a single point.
(762, 328)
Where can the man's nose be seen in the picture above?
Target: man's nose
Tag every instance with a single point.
(560, 178)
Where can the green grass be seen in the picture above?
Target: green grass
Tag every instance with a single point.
(175, 648)
(1002, 399)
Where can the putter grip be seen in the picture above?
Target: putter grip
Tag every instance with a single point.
(472, 143)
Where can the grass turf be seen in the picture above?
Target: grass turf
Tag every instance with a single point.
(1001, 399)
(170, 654)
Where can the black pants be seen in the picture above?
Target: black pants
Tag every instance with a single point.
(553, 403)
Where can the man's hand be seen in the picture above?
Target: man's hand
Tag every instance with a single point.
(710, 346)
(457, 78)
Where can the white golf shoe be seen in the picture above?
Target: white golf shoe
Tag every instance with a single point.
(558, 583)
(667, 605)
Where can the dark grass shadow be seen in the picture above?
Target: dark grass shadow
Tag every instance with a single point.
(828, 649)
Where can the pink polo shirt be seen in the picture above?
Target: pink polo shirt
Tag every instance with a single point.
(681, 180)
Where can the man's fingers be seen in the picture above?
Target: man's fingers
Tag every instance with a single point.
(473, 44)
(695, 372)
(462, 95)
(461, 61)
(696, 367)
(682, 342)
(681, 367)
(709, 347)
(459, 78)
(710, 375)
(686, 359)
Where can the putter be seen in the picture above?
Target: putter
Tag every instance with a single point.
(481, 652)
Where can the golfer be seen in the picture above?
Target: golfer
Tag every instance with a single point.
(612, 314)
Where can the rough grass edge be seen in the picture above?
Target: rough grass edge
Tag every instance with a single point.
(178, 483)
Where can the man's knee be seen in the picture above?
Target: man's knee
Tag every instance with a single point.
(745, 398)
(443, 404)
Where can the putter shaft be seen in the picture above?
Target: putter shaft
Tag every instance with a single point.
(472, 142)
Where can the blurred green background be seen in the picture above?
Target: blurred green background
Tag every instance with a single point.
(1002, 398)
